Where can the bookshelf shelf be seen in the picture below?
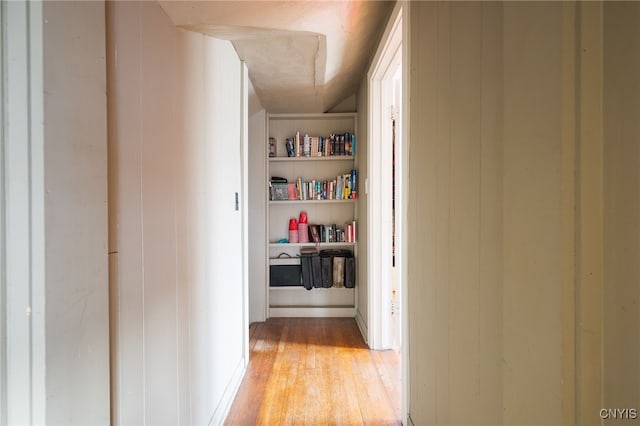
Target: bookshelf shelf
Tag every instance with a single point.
(303, 159)
(321, 128)
(284, 202)
(301, 288)
(319, 245)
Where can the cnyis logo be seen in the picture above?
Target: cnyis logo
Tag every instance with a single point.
(619, 413)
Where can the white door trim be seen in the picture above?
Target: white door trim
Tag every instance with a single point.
(395, 41)
(244, 204)
(379, 166)
(22, 361)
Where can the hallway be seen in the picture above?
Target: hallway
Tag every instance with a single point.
(316, 371)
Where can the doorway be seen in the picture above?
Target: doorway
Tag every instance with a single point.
(387, 204)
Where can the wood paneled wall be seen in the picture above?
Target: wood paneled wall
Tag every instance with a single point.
(523, 198)
(175, 136)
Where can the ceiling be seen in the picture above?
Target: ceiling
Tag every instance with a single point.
(303, 56)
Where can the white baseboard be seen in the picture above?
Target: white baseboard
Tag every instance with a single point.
(312, 312)
(222, 410)
(362, 325)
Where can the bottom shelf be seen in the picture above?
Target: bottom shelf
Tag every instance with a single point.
(312, 311)
(315, 298)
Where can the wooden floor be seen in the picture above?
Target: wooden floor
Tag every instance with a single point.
(316, 371)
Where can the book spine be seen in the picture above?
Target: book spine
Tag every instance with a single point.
(354, 183)
(347, 144)
(290, 148)
(307, 146)
(347, 186)
(353, 145)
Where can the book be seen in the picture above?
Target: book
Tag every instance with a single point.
(290, 148)
(298, 144)
(306, 145)
(314, 231)
(293, 193)
(354, 186)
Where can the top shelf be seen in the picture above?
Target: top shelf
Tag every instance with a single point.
(296, 159)
(313, 116)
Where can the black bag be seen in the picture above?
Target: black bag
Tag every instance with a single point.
(316, 269)
(310, 262)
(327, 270)
(284, 272)
(348, 279)
(350, 272)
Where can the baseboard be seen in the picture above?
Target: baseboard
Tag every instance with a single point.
(222, 410)
(311, 312)
(362, 325)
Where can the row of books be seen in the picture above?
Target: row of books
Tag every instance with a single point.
(333, 233)
(342, 187)
(319, 146)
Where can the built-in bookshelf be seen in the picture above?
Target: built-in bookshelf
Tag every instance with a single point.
(314, 157)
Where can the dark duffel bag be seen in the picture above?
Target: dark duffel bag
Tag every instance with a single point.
(311, 268)
(347, 262)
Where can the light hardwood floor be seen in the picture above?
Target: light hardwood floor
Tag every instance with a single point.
(316, 371)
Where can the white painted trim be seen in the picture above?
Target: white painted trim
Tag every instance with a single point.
(379, 213)
(312, 312)
(401, 13)
(23, 378)
(38, 289)
(244, 204)
(3, 282)
(404, 212)
(226, 401)
(362, 325)
(266, 221)
(314, 116)
(267, 301)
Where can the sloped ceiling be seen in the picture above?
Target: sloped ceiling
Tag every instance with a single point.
(303, 56)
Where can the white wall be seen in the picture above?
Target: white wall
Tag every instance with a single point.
(177, 291)
(257, 209)
(75, 204)
(55, 360)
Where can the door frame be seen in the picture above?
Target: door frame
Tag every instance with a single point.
(388, 57)
(395, 40)
(22, 265)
